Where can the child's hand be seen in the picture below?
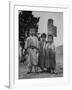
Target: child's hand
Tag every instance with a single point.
(37, 50)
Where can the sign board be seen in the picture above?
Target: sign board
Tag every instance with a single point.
(52, 30)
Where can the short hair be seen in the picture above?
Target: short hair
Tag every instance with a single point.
(32, 28)
(50, 36)
(43, 35)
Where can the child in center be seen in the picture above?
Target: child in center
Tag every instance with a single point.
(42, 52)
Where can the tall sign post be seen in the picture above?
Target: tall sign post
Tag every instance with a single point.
(52, 30)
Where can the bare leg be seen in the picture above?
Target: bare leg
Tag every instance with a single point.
(36, 68)
(30, 69)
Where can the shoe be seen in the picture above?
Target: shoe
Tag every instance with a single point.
(28, 72)
(55, 72)
(48, 70)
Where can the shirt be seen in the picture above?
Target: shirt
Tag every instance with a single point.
(31, 41)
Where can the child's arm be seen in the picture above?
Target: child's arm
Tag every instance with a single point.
(37, 42)
(54, 49)
(25, 44)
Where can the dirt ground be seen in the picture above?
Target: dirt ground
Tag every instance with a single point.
(59, 68)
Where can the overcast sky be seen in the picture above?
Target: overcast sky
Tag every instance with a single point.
(58, 21)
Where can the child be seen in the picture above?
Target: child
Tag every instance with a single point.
(31, 46)
(42, 45)
(50, 61)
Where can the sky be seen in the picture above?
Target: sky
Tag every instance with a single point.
(58, 21)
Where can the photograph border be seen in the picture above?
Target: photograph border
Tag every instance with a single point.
(13, 27)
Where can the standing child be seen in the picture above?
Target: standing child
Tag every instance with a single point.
(42, 46)
(50, 61)
(31, 46)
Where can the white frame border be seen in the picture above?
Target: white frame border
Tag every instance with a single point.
(13, 79)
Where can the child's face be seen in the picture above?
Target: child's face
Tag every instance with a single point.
(32, 31)
(50, 39)
(43, 38)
